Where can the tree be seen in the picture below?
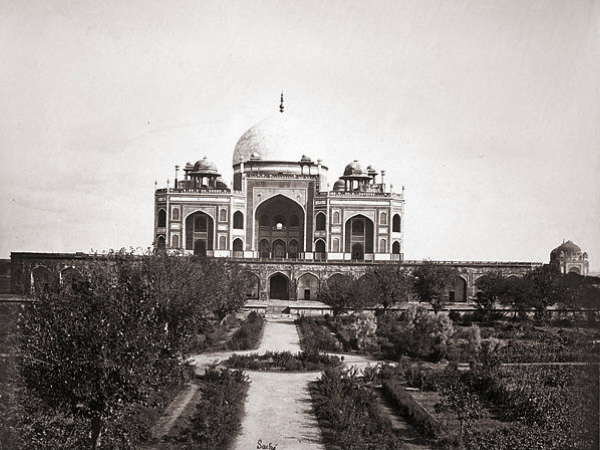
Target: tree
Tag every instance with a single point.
(431, 283)
(491, 288)
(96, 347)
(515, 294)
(393, 285)
(458, 398)
(339, 293)
(541, 289)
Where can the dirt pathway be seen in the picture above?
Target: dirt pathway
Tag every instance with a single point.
(278, 406)
(279, 411)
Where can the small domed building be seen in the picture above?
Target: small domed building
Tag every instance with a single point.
(568, 258)
(280, 209)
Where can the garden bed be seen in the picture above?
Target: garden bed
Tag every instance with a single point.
(283, 361)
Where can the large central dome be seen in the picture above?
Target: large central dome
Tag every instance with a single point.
(277, 138)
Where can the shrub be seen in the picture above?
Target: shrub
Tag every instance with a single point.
(349, 410)
(314, 336)
(283, 361)
(218, 415)
(247, 336)
(415, 332)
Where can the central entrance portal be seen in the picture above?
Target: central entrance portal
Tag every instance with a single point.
(279, 228)
(279, 287)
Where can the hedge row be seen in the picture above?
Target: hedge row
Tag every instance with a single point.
(283, 361)
(414, 412)
(314, 336)
(349, 414)
(247, 337)
(218, 416)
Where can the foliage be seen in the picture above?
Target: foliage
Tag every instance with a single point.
(458, 398)
(283, 361)
(415, 332)
(559, 405)
(350, 412)
(219, 413)
(315, 337)
(248, 336)
(413, 411)
(339, 293)
(392, 285)
(431, 283)
(94, 348)
(491, 288)
(362, 330)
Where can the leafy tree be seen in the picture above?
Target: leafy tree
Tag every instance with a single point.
(393, 285)
(95, 348)
(541, 289)
(491, 288)
(458, 398)
(514, 293)
(339, 293)
(572, 291)
(431, 283)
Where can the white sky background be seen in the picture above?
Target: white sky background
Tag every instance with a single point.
(488, 111)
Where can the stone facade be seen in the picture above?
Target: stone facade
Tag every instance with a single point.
(277, 209)
(288, 280)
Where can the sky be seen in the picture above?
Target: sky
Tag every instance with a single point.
(487, 111)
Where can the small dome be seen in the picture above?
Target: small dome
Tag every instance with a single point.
(339, 185)
(567, 249)
(189, 166)
(220, 183)
(204, 165)
(305, 159)
(353, 168)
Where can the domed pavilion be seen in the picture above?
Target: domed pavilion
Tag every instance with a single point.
(280, 207)
(568, 258)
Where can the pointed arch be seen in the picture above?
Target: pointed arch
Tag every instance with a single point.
(162, 218)
(307, 287)
(238, 220)
(396, 223)
(320, 222)
(279, 286)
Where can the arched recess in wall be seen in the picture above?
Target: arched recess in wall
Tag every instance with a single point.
(359, 236)
(253, 286)
(320, 222)
(238, 220)
(238, 245)
(382, 246)
(162, 218)
(199, 228)
(396, 248)
(42, 277)
(222, 243)
(457, 291)
(68, 275)
(308, 287)
(397, 224)
(335, 245)
(279, 286)
(293, 249)
(175, 241)
(161, 243)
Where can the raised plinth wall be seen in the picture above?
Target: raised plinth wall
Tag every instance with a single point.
(283, 279)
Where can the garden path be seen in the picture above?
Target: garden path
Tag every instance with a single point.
(278, 406)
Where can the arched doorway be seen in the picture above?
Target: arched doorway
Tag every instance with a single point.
(200, 247)
(238, 248)
(458, 290)
(279, 220)
(199, 226)
(396, 248)
(308, 287)
(42, 278)
(359, 235)
(278, 249)
(254, 287)
(293, 249)
(358, 252)
(279, 287)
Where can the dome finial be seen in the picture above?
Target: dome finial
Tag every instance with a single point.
(281, 104)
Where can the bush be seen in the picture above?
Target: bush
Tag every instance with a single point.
(219, 413)
(349, 410)
(415, 332)
(247, 337)
(283, 361)
(314, 336)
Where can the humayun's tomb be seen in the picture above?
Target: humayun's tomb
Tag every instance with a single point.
(283, 222)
